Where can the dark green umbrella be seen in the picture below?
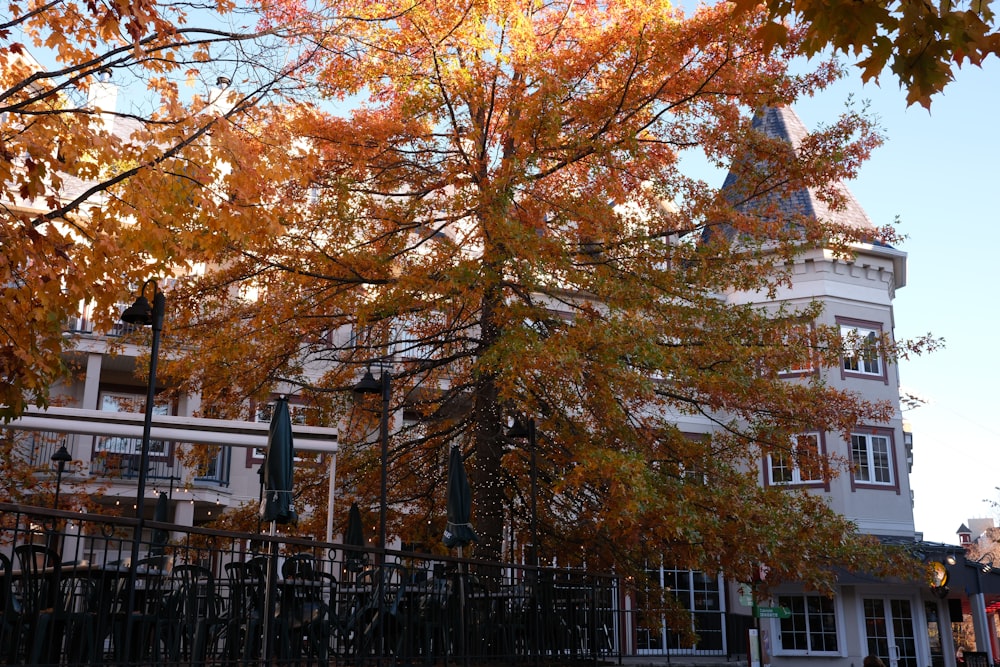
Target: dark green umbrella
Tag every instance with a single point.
(354, 536)
(278, 466)
(458, 532)
(160, 537)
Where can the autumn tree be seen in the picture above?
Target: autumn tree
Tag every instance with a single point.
(499, 218)
(69, 243)
(920, 43)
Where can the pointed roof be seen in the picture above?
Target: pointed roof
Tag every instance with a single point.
(783, 123)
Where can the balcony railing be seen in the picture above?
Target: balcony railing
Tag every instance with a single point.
(72, 596)
(117, 458)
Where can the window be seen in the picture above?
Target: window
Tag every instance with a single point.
(799, 464)
(861, 350)
(262, 413)
(811, 627)
(800, 335)
(699, 593)
(871, 455)
(135, 403)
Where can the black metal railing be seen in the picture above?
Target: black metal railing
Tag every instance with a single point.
(205, 597)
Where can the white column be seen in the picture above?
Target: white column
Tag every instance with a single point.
(91, 401)
(183, 511)
(980, 623)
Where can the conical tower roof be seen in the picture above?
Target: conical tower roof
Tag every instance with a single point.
(783, 123)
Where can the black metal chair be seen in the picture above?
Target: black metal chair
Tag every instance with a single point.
(9, 612)
(147, 628)
(374, 622)
(304, 614)
(976, 659)
(429, 616)
(194, 620)
(245, 612)
(41, 620)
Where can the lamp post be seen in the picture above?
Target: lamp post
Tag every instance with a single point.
(140, 313)
(61, 457)
(980, 622)
(520, 430)
(369, 385)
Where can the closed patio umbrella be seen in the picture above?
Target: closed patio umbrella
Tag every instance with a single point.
(278, 467)
(277, 505)
(354, 536)
(160, 537)
(458, 532)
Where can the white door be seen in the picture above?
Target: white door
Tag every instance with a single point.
(889, 631)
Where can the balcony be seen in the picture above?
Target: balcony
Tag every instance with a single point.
(116, 458)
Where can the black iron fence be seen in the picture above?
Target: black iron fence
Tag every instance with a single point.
(70, 595)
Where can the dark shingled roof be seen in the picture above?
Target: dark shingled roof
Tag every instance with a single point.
(122, 127)
(783, 123)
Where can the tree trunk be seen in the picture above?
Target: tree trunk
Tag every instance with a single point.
(487, 421)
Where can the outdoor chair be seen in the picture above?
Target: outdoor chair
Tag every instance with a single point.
(55, 611)
(41, 620)
(375, 618)
(194, 623)
(148, 625)
(304, 613)
(245, 613)
(9, 613)
(430, 616)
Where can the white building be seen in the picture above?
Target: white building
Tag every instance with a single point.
(906, 624)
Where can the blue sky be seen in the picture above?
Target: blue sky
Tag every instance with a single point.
(937, 171)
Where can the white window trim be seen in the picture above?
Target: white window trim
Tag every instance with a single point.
(870, 456)
(125, 445)
(810, 366)
(296, 412)
(861, 331)
(797, 479)
(778, 649)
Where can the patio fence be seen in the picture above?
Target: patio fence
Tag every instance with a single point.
(70, 595)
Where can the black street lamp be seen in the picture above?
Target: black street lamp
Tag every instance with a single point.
(141, 314)
(61, 457)
(520, 430)
(369, 385)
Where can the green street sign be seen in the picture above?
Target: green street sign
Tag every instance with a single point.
(772, 612)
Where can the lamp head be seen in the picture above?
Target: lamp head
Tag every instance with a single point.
(368, 384)
(61, 456)
(518, 430)
(139, 313)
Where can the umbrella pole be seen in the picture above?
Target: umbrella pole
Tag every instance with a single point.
(461, 609)
(272, 562)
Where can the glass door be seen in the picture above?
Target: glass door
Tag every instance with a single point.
(889, 630)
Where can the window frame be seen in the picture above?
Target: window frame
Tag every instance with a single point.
(891, 466)
(865, 328)
(779, 631)
(159, 449)
(297, 411)
(797, 479)
(813, 367)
